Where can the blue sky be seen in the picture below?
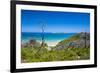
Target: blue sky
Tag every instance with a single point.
(67, 22)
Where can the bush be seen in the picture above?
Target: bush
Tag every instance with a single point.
(30, 55)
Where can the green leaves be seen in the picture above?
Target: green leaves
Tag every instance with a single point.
(27, 55)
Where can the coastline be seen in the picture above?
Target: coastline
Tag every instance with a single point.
(51, 39)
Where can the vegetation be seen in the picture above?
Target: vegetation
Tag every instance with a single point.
(63, 51)
(29, 55)
(73, 38)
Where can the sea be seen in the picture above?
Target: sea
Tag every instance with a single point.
(52, 39)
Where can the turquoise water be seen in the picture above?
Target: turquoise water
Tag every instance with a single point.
(50, 38)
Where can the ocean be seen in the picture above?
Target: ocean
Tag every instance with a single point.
(50, 38)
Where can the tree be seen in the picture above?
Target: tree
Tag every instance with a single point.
(85, 40)
(43, 40)
(42, 37)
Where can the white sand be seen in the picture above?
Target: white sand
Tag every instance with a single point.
(52, 43)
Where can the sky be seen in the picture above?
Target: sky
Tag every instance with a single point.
(55, 22)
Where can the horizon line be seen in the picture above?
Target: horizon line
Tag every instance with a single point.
(56, 32)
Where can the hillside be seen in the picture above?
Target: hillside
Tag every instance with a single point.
(80, 40)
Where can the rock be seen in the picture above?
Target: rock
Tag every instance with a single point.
(83, 41)
(31, 43)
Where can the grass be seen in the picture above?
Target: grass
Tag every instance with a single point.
(31, 55)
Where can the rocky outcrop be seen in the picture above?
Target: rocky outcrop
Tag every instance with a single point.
(80, 40)
(30, 44)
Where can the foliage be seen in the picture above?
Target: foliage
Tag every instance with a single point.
(30, 55)
(34, 52)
